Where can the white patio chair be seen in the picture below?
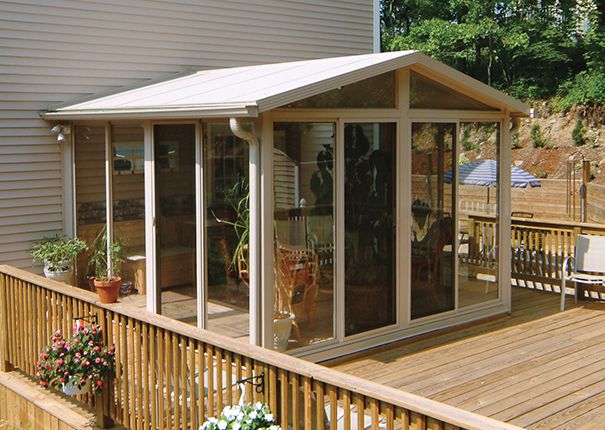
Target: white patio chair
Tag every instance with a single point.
(588, 259)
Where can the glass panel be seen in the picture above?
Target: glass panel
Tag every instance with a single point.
(432, 257)
(303, 162)
(375, 92)
(226, 193)
(174, 150)
(89, 158)
(129, 205)
(478, 213)
(428, 94)
(370, 251)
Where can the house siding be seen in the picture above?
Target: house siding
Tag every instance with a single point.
(57, 51)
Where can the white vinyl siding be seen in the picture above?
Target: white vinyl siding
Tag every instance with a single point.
(57, 51)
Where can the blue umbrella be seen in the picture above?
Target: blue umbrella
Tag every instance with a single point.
(485, 173)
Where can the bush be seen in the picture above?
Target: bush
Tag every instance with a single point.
(537, 137)
(577, 134)
(587, 88)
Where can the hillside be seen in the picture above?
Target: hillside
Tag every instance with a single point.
(551, 160)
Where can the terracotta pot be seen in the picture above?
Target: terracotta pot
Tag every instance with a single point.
(108, 290)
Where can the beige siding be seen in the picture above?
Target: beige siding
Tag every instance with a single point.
(54, 51)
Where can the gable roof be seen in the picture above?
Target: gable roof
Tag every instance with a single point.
(250, 90)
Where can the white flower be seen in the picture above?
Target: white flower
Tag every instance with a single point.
(222, 425)
(236, 426)
(253, 415)
(269, 417)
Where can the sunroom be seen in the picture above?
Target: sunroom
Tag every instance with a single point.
(313, 207)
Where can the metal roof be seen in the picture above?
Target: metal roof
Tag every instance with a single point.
(250, 90)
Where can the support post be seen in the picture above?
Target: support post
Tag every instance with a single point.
(103, 421)
(584, 189)
(5, 365)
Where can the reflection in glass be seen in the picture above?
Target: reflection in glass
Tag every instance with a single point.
(478, 214)
(174, 149)
(375, 92)
(426, 93)
(369, 226)
(303, 162)
(89, 157)
(432, 256)
(226, 222)
(129, 205)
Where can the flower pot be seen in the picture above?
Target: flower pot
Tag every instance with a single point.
(71, 389)
(108, 289)
(282, 327)
(65, 273)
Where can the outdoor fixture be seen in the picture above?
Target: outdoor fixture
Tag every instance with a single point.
(61, 130)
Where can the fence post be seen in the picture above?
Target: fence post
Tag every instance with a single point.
(5, 365)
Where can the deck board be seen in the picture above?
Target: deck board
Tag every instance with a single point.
(537, 368)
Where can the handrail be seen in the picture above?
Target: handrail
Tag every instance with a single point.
(184, 345)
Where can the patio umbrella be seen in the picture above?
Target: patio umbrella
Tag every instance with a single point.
(485, 173)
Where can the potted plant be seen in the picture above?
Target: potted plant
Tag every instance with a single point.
(58, 253)
(78, 363)
(106, 277)
(249, 417)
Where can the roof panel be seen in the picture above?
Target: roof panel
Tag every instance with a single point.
(252, 89)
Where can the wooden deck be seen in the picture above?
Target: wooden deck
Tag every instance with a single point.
(537, 368)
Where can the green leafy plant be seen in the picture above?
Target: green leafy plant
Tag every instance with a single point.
(244, 417)
(239, 197)
(537, 137)
(57, 251)
(82, 357)
(577, 134)
(97, 264)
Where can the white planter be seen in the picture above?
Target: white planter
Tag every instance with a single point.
(71, 389)
(66, 274)
(282, 327)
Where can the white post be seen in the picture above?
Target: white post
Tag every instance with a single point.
(153, 294)
(200, 230)
(266, 206)
(504, 214)
(108, 196)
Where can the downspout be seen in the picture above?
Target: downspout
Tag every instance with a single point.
(254, 255)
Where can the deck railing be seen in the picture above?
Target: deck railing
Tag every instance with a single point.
(538, 247)
(173, 376)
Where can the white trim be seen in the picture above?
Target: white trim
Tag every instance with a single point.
(266, 234)
(376, 25)
(109, 196)
(455, 210)
(338, 232)
(153, 294)
(504, 215)
(69, 190)
(254, 247)
(201, 275)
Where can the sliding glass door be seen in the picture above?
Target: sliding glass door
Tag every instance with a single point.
(175, 222)
(369, 220)
(433, 213)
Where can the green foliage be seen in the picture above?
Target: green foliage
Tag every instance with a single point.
(577, 134)
(587, 88)
(466, 142)
(537, 137)
(528, 49)
(57, 250)
(514, 141)
(97, 264)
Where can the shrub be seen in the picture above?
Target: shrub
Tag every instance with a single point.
(577, 134)
(537, 137)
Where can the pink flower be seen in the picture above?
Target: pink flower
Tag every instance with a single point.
(100, 384)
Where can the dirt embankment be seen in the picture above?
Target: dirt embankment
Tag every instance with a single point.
(550, 161)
